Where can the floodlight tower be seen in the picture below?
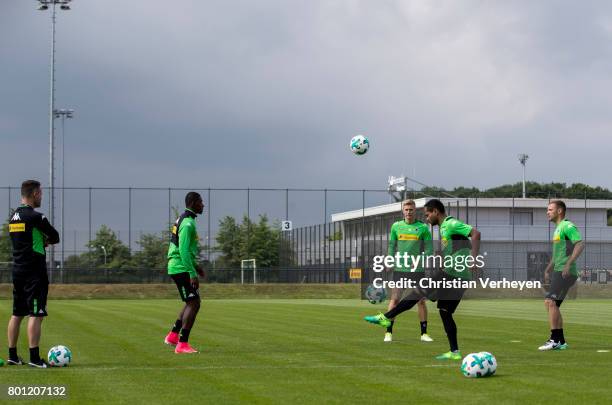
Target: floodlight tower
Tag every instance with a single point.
(63, 113)
(523, 160)
(43, 6)
(397, 187)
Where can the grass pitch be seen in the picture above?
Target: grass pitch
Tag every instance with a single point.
(317, 351)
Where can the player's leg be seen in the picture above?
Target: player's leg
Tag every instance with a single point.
(172, 337)
(404, 305)
(446, 308)
(191, 297)
(422, 311)
(559, 287)
(34, 332)
(37, 302)
(192, 307)
(449, 299)
(14, 326)
(395, 298)
(20, 309)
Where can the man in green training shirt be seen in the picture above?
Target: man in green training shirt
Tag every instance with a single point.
(411, 237)
(184, 270)
(459, 240)
(561, 272)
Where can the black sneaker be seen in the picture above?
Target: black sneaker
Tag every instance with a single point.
(15, 362)
(40, 364)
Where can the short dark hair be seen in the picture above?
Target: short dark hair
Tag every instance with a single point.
(28, 188)
(559, 204)
(435, 204)
(191, 198)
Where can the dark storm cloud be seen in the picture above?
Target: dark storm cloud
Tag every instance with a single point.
(268, 93)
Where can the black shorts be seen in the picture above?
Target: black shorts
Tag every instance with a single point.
(448, 298)
(397, 293)
(30, 294)
(559, 286)
(186, 290)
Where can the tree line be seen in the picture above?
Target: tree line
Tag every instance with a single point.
(235, 241)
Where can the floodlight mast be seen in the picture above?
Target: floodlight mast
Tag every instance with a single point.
(523, 160)
(398, 187)
(43, 6)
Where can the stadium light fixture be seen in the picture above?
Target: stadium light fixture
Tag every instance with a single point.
(44, 5)
(523, 160)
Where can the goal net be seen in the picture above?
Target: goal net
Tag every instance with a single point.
(248, 265)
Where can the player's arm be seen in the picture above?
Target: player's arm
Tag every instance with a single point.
(475, 238)
(469, 232)
(427, 241)
(186, 235)
(548, 270)
(45, 227)
(392, 241)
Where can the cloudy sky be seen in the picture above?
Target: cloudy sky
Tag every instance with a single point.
(268, 93)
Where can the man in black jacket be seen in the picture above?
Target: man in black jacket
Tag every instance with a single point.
(30, 233)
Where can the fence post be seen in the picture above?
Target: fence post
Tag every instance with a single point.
(362, 257)
(512, 216)
(89, 242)
(208, 236)
(130, 219)
(169, 212)
(585, 230)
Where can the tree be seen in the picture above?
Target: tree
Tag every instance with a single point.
(248, 240)
(107, 248)
(228, 240)
(6, 248)
(153, 251)
(533, 190)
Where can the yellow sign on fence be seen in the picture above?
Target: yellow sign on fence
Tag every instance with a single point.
(354, 274)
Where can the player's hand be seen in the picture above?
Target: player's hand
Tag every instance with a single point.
(200, 271)
(566, 271)
(195, 283)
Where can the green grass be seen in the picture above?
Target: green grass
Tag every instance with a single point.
(318, 351)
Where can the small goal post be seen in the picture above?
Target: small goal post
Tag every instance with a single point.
(248, 264)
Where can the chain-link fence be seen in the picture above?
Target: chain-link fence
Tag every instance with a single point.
(111, 235)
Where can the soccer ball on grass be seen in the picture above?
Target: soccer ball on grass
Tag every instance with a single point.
(59, 356)
(477, 365)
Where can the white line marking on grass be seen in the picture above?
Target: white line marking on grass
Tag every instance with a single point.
(515, 341)
(603, 351)
(178, 368)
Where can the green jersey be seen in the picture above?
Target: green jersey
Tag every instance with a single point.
(183, 250)
(564, 239)
(412, 239)
(455, 243)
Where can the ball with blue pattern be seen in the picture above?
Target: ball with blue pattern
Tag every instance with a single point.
(59, 356)
(375, 295)
(360, 145)
(478, 365)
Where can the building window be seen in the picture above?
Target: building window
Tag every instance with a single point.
(521, 218)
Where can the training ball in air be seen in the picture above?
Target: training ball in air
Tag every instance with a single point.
(360, 145)
(59, 356)
(375, 295)
(477, 365)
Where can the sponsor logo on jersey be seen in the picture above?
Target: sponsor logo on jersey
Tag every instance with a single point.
(16, 217)
(18, 227)
(406, 236)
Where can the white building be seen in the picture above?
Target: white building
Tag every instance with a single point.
(516, 234)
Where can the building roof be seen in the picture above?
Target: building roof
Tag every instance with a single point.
(473, 203)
